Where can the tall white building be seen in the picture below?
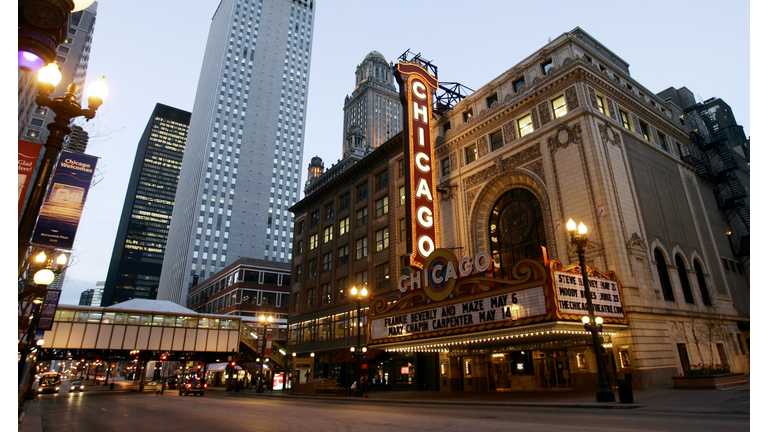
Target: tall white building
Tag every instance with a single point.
(241, 166)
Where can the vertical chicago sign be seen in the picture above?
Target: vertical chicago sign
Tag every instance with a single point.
(416, 89)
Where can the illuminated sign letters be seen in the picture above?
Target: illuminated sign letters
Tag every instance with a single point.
(416, 89)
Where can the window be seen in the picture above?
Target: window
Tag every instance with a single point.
(445, 166)
(559, 108)
(362, 216)
(298, 273)
(300, 247)
(525, 125)
(325, 293)
(361, 278)
(362, 192)
(512, 238)
(401, 192)
(344, 202)
(625, 120)
(382, 180)
(683, 353)
(471, 153)
(467, 115)
(343, 255)
(327, 262)
(315, 219)
(401, 224)
(328, 211)
(400, 168)
(496, 141)
(491, 99)
(684, 282)
(313, 268)
(446, 127)
(341, 287)
(310, 298)
(382, 239)
(702, 283)
(313, 241)
(382, 276)
(382, 206)
(517, 84)
(663, 141)
(661, 266)
(601, 105)
(300, 228)
(362, 248)
(328, 234)
(547, 65)
(296, 302)
(645, 131)
(344, 226)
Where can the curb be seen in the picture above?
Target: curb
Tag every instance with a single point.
(439, 403)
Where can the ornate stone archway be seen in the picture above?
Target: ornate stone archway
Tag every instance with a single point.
(490, 193)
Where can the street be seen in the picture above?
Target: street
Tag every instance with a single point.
(222, 412)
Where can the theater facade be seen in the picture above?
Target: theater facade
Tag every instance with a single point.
(495, 300)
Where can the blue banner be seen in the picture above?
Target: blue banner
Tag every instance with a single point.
(63, 205)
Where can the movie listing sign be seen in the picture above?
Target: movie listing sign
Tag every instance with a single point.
(493, 308)
(569, 291)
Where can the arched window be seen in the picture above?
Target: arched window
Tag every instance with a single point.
(661, 266)
(702, 283)
(516, 230)
(683, 273)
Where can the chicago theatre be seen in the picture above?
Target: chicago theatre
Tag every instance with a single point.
(456, 227)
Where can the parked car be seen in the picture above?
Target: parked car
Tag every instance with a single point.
(194, 386)
(76, 386)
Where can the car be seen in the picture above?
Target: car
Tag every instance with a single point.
(193, 386)
(76, 386)
(171, 383)
(101, 378)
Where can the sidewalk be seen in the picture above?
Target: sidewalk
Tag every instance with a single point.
(732, 400)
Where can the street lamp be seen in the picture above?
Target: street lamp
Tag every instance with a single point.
(65, 109)
(43, 277)
(579, 239)
(359, 296)
(265, 321)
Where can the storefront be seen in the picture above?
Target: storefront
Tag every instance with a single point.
(477, 333)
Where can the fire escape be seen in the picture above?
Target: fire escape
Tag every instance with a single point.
(720, 168)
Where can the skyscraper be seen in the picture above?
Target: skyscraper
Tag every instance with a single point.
(240, 171)
(137, 257)
(372, 112)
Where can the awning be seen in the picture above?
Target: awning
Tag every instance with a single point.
(218, 367)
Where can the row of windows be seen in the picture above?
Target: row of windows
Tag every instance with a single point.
(524, 125)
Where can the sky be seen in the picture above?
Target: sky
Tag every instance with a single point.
(151, 52)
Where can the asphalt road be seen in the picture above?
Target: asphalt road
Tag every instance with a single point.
(84, 412)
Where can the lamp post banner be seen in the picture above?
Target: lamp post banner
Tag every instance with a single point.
(64, 202)
(50, 304)
(28, 154)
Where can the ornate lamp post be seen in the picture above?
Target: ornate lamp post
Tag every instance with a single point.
(43, 277)
(579, 239)
(359, 296)
(65, 108)
(265, 322)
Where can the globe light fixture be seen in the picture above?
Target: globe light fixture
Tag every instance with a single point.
(44, 277)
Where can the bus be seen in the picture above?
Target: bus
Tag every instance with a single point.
(50, 382)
